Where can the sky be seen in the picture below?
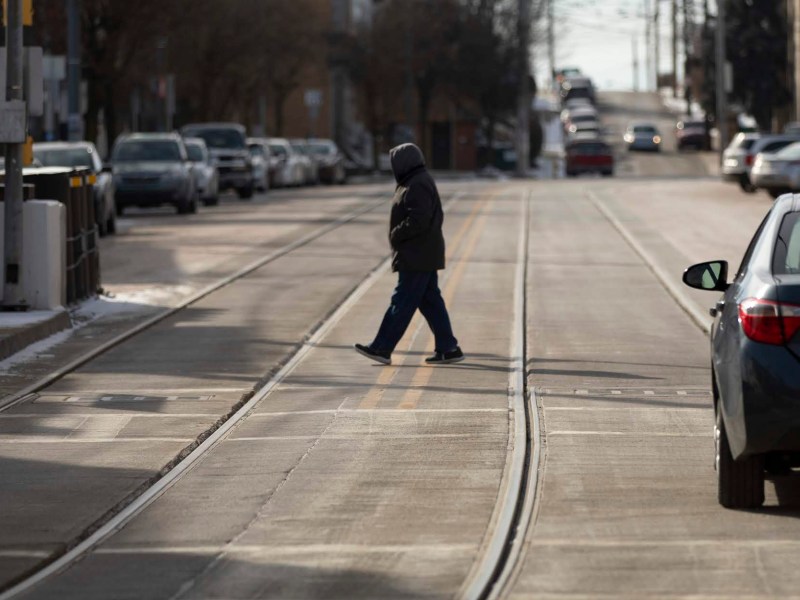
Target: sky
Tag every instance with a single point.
(598, 37)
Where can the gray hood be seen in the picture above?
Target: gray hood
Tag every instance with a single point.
(406, 158)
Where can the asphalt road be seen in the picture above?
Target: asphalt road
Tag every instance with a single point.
(343, 479)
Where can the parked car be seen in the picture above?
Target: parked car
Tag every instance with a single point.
(691, 134)
(228, 147)
(259, 155)
(779, 172)
(768, 144)
(152, 169)
(286, 163)
(84, 154)
(755, 357)
(308, 160)
(586, 116)
(577, 87)
(206, 176)
(589, 156)
(330, 160)
(643, 136)
(735, 159)
(584, 129)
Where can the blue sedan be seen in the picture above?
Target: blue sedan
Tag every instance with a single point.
(755, 357)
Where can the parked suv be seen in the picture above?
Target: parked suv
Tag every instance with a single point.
(227, 143)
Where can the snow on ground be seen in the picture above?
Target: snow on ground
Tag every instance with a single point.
(99, 309)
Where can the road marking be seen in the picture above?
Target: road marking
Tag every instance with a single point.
(372, 436)
(387, 374)
(423, 373)
(24, 553)
(726, 543)
(627, 408)
(325, 549)
(106, 440)
(622, 433)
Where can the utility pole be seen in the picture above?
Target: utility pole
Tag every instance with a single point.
(796, 28)
(721, 76)
(551, 40)
(675, 47)
(75, 119)
(12, 267)
(524, 98)
(647, 45)
(657, 29)
(635, 48)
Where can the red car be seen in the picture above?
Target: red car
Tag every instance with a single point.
(589, 156)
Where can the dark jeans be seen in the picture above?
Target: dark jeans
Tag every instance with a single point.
(416, 291)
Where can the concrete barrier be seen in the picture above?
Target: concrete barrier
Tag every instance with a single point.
(44, 235)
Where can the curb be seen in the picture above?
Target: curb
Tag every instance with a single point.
(22, 337)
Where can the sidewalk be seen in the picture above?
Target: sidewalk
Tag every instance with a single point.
(19, 330)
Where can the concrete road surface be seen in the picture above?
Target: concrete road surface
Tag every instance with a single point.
(240, 449)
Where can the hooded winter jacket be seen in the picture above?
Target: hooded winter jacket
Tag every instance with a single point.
(415, 227)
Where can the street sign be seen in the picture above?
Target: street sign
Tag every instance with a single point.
(313, 98)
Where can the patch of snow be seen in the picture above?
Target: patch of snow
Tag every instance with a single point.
(34, 351)
(22, 319)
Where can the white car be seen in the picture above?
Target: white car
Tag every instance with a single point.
(84, 154)
(285, 163)
(779, 172)
(206, 174)
(259, 155)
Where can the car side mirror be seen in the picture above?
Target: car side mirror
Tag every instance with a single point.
(711, 276)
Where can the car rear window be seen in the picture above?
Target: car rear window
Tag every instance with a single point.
(786, 258)
(644, 129)
(775, 146)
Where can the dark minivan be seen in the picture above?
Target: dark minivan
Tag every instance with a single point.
(755, 357)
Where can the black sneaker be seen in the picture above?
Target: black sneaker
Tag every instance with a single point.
(376, 355)
(446, 358)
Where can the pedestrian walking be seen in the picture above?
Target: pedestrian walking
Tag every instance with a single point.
(415, 235)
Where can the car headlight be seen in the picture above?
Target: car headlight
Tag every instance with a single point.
(656, 139)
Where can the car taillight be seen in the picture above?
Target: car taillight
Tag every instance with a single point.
(769, 322)
(749, 160)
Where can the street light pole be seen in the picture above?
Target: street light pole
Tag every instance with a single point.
(74, 120)
(524, 97)
(721, 76)
(12, 267)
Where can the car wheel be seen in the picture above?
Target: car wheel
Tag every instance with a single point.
(245, 193)
(211, 201)
(740, 483)
(111, 223)
(608, 173)
(747, 187)
(776, 193)
(120, 209)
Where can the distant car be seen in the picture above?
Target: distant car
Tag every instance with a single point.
(643, 136)
(577, 87)
(582, 117)
(286, 163)
(84, 154)
(691, 134)
(228, 147)
(584, 129)
(152, 169)
(330, 160)
(767, 144)
(589, 156)
(259, 155)
(735, 158)
(308, 159)
(778, 173)
(205, 171)
(755, 357)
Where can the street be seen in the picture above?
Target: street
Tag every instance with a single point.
(237, 447)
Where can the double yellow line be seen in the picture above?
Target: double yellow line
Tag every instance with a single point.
(424, 372)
